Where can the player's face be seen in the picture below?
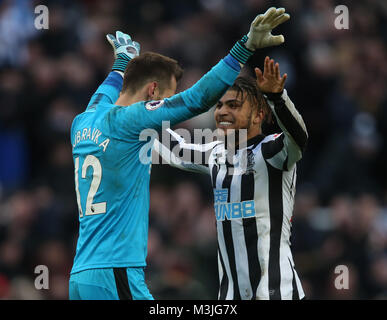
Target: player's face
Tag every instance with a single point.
(233, 111)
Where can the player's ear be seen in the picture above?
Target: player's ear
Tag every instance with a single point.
(152, 89)
(258, 116)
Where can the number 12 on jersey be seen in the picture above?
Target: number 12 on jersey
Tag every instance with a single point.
(91, 208)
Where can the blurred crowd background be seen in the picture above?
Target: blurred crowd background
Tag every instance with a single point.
(336, 78)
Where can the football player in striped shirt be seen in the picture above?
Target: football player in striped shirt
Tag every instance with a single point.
(111, 181)
(253, 193)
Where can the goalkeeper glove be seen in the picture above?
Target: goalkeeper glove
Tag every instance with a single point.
(260, 35)
(124, 50)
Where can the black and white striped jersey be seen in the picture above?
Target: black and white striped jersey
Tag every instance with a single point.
(253, 206)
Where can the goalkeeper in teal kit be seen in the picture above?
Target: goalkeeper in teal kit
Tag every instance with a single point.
(111, 181)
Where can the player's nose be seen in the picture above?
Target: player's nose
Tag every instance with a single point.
(223, 110)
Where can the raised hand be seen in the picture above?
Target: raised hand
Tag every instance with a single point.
(124, 48)
(270, 80)
(260, 35)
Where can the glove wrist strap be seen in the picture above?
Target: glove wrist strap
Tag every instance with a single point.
(120, 63)
(240, 52)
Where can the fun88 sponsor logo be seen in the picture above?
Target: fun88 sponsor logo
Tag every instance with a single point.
(231, 210)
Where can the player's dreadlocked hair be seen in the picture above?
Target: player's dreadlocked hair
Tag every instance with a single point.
(246, 86)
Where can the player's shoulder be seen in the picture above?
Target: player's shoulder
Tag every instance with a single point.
(91, 115)
(272, 144)
(170, 102)
(123, 117)
(123, 121)
(127, 110)
(154, 104)
(76, 121)
(272, 137)
(139, 107)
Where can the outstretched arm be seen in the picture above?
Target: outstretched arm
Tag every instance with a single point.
(211, 87)
(124, 50)
(169, 157)
(194, 158)
(259, 36)
(286, 149)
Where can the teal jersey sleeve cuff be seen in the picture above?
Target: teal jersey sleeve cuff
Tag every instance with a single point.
(232, 62)
(240, 52)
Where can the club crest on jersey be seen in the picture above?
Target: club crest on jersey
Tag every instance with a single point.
(220, 157)
(153, 105)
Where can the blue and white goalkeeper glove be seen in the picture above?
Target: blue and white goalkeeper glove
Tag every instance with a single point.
(125, 49)
(259, 35)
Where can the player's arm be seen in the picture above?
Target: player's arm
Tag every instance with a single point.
(124, 50)
(170, 158)
(288, 148)
(212, 86)
(190, 153)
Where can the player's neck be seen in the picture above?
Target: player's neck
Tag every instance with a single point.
(251, 134)
(242, 139)
(127, 99)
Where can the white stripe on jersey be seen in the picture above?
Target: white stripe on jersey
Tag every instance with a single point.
(222, 246)
(238, 237)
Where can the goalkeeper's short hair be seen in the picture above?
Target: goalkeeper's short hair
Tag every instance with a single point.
(150, 66)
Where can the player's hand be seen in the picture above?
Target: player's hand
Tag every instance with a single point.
(271, 80)
(260, 35)
(124, 48)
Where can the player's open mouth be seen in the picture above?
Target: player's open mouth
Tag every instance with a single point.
(225, 123)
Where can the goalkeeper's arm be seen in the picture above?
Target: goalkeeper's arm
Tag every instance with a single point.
(212, 86)
(124, 50)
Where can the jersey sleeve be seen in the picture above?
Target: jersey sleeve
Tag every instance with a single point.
(285, 149)
(108, 91)
(182, 106)
(169, 157)
(186, 156)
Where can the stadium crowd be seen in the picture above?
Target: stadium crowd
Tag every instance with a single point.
(337, 79)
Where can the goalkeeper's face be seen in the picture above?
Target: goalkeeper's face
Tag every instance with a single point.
(234, 111)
